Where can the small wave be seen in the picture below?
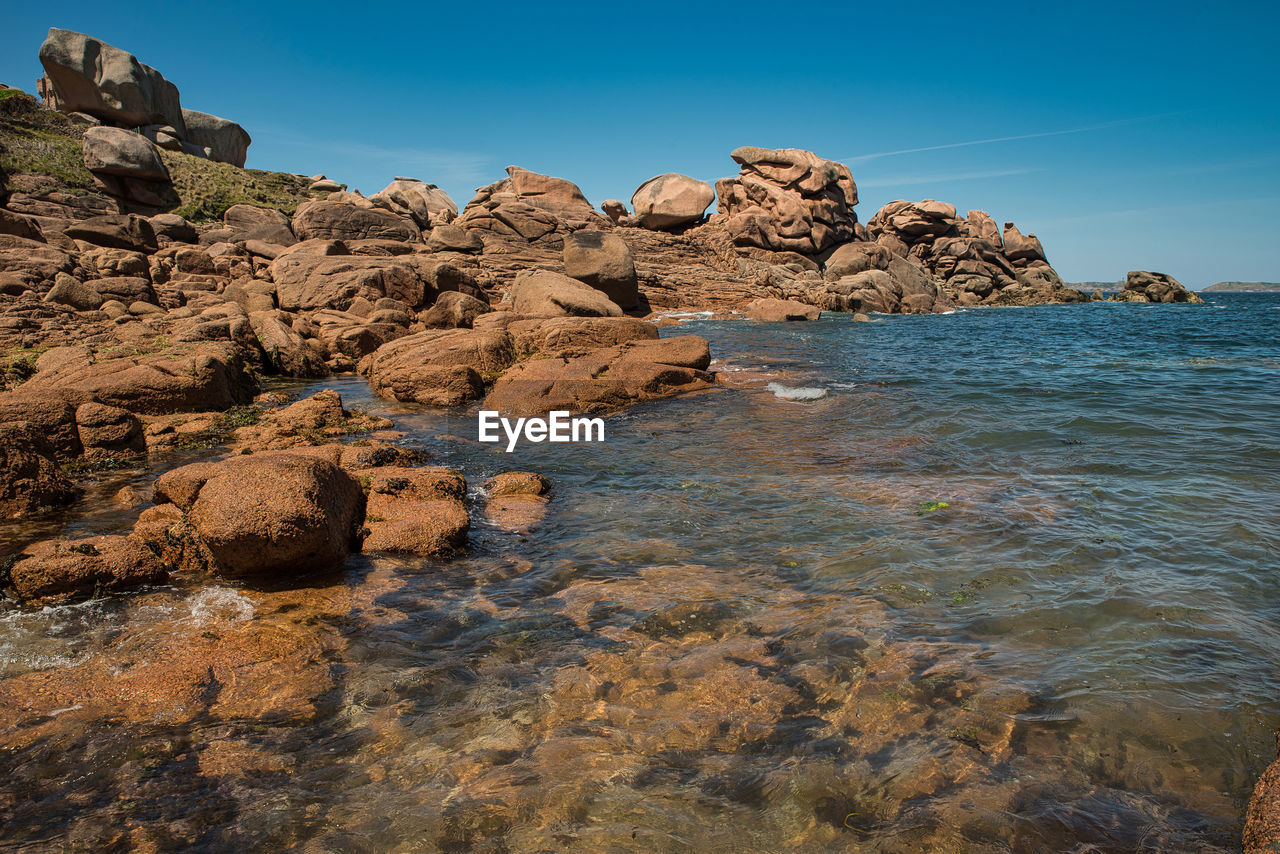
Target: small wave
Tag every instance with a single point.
(786, 392)
(220, 604)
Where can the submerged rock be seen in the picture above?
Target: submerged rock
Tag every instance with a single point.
(416, 511)
(517, 500)
(57, 570)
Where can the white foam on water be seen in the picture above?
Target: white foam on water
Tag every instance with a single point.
(219, 604)
(800, 393)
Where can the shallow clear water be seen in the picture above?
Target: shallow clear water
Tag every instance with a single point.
(1007, 586)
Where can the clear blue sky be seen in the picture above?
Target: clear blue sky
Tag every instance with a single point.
(1126, 135)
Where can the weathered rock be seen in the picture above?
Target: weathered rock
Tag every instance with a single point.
(1262, 819)
(604, 380)
(543, 293)
(249, 222)
(447, 237)
(670, 201)
(126, 289)
(1021, 250)
(310, 282)
(529, 204)
(30, 478)
(225, 140)
(577, 336)
(788, 200)
(614, 209)
(58, 570)
(108, 431)
(416, 511)
(268, 515)
(774, 310)
(517, 500)
(118, 231)
(343, 221)
(70, 291)
(1143, 286)
(426, 204)
(454, 310)
(604, 262)
(48, 412)
(868, 277)
(438, 367)
(196, 378)
(113, 151)
(89, 76)
(20, 226)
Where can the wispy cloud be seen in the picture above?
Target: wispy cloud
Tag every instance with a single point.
(1179, 209)
(909, 180)
(436, 165)
(995, 139)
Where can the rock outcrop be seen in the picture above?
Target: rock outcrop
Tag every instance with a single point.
(788, 200)
(530, 205)
(974, 262)
(87, 76)
(1143, 286)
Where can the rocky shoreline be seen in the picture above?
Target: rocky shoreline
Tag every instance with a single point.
(129, 331)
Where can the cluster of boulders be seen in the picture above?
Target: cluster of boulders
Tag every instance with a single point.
(102, 84)
(977, 263)
(291, 502)
(1144, 286)
(130, 112)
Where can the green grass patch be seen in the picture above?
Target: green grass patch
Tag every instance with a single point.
(207, 188)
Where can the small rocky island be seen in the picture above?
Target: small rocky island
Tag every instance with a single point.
(150, 284)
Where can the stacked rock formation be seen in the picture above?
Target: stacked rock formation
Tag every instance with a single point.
(1143, 286)
(107, 85)
(970, 257)
(788, 200)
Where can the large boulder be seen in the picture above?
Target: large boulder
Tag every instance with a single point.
(269, 514)
(671, 200)
(426, 204)
(226, 141)
(544, 293)
(604, 262)
(250, 222)
(604, 380)
(85, 75)
(788, 200)
(59, 570)
(344, 221)
(191, 378)
(418, 511)
(310, 282)
(438, 367)
(113, 151)
(116, 231)
(30, 478)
